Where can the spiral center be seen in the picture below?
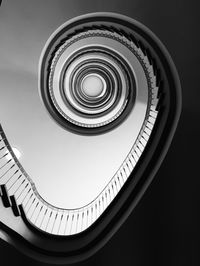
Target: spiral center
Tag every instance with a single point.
(93, 86)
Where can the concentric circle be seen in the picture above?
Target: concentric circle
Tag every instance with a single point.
(79, 63)
(91, 86)
(110, 74)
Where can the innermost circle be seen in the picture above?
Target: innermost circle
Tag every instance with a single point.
(93, 86)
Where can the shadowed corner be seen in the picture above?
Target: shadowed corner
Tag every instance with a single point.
(4, 236)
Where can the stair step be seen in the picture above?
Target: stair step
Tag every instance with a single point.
(14, 206)
(4, 195)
